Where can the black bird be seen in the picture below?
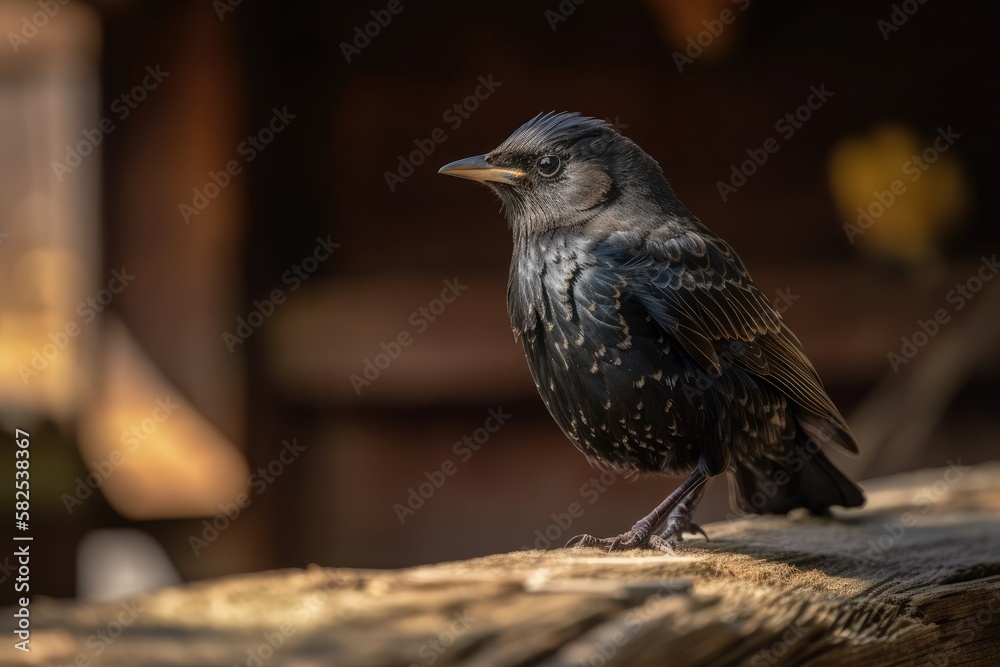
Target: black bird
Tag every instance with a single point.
(650, 344)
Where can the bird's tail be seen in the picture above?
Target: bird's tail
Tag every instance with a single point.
(804, 478)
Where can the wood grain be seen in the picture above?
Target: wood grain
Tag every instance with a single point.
(912, 579)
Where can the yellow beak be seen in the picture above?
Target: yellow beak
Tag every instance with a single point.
(478, 169)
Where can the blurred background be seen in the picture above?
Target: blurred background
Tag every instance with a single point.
(248, 326)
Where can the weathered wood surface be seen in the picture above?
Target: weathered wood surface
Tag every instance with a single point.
(913, 579)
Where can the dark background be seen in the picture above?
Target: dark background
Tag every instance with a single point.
(324, 176)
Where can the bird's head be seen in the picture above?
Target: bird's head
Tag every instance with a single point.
(560, 169)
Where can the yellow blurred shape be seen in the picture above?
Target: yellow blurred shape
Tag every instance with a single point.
(155, 455)
(50, 277)
(36, 375)
(898, 196)
(41, 334)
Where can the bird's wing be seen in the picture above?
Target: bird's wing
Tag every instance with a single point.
(697, 288)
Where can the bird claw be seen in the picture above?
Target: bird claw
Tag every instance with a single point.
(631, 539)
(673, 532)
(588, 541)
(660, 544)
(695, 529)
(665, 543)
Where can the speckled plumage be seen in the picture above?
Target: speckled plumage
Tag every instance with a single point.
(649, 342)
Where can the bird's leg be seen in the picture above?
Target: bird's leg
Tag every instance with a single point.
(679, 519)
(638, 537)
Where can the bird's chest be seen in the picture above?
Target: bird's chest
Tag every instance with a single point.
(601, 366)
(567, 310)
(575, 318)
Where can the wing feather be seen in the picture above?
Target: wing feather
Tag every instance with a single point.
(696, 287)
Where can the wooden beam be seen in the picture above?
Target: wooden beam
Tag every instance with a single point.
(914, 578)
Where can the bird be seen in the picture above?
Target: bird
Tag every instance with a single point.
(648, 341)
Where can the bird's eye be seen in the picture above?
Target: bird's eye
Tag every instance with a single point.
(548, 165)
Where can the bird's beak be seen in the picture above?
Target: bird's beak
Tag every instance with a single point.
(478, 169)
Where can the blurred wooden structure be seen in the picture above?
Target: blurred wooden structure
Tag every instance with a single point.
(324, 177)
(914, 578)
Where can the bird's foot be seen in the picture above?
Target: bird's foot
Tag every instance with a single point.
(676, 525)
(631, 539)
(679, 521)
(675, 514)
